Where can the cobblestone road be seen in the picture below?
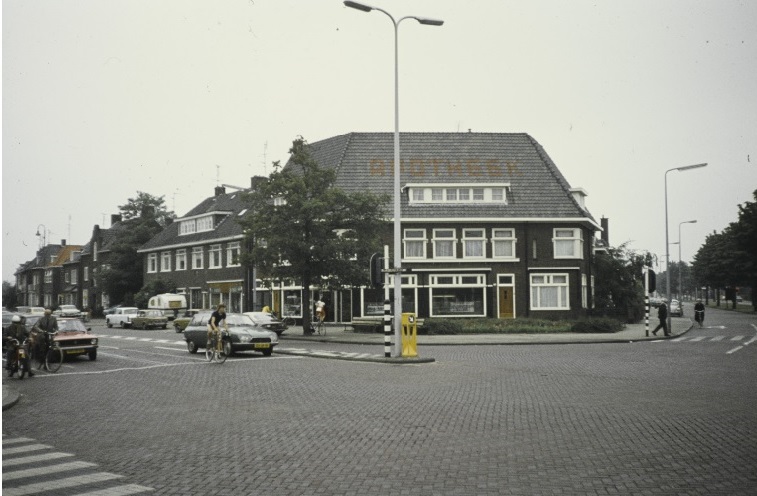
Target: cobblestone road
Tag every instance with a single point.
(638, 418)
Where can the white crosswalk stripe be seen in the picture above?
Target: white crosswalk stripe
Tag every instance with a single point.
(28, 471)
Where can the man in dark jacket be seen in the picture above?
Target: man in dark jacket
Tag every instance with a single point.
(20, 333)
(662, 314)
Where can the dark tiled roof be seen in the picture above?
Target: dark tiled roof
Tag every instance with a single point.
(364, 161)
(226, 228)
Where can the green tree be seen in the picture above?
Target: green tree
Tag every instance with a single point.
(10, 297)
(745, 237)
(619, 283)
(302, 228)
(142, 218)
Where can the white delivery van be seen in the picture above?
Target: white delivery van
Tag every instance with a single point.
(169, 303)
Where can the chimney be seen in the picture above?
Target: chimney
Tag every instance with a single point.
(256, 181)
(114, 218)
(63, 242)
(220, 190)
(605, 223)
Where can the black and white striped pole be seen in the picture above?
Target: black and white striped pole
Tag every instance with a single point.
(387, 328)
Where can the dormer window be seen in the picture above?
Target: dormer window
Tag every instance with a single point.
(457, 193)
(196, 224)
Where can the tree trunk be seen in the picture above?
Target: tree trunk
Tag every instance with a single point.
(306, 313)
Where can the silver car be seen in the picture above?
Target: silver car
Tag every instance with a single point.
(243, 334)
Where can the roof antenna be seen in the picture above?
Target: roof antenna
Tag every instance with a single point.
(218, 174)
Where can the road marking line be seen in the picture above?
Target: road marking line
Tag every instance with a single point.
(34, 458)
(49, 469)
(14, 440)
(737, 338)
(718, 338)
(733, 350)
(24, 449)
(56, 485)
(119, 491)
(698, 338)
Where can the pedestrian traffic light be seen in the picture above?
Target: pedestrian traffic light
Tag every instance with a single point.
(651, 281)
(377, 266)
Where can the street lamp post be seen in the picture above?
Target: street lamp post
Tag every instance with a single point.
(43, 236)
(667, 236)
(680, 260)
(397, 270)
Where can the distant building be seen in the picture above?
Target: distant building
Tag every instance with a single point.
(42, 280)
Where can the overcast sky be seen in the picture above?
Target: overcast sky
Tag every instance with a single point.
(102, 99)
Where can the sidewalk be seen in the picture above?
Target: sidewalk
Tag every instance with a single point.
(290, 340)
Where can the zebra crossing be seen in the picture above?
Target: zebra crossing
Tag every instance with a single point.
(31, 468)
(701, 339)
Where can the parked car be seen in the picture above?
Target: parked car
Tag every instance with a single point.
(676, 309)
(111, 310)
(121, 316)
(244, 334)
(67, 311)
(32, 310)
(73, 338)
(149, 319)
(268, 321)
(180, 323)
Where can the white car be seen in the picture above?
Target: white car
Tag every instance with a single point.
(121, 317)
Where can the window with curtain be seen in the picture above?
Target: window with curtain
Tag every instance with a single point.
(415, 243)
(503, 243)
(444, 243)
(568, 243)
(473, 242)
(549, 292)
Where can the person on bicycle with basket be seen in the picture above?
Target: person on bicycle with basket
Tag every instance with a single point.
(699, 312)
(20, 333)
(215, 321)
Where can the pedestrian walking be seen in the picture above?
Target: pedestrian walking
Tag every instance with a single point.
(662, 314)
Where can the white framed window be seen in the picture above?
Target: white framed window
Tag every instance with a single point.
(48, 276)
(85, 275)
(181, 259)
(584, 291)
(473, 243)
(94, 251)
(458, 193)
(503, 243)
(549, 292)
(152, 262)
(197, 257)
(233, 253)
(187, 227)
(214, 257)
(205, 223)
(444, 243)
(457, 295)
(74, 277)
(165, 261)
(66, 277)
(568, 243)
(414, 243)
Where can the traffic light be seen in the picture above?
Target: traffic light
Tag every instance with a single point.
(377, 266)
(652, 281)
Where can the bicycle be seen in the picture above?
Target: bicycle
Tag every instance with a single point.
(49, 355)
(289, 321)
(699, 317)
(217, 348)
(19, 359)
(319, 327)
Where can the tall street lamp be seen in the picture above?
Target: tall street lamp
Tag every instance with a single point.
(680, 260)
(667, 237)
(42, 236)
(397, 271)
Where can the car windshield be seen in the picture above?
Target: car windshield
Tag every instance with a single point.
(153, 313)
(67, 307)
(130, 311)
(71, 325)
(238, 320)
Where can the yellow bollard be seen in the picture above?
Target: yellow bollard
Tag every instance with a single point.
(409, 335)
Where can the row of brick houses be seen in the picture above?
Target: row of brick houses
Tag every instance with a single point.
(490, 228)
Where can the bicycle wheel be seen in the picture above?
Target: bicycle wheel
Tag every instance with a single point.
(53, 359)
(220, 355)
(210, 349)
(289, 321)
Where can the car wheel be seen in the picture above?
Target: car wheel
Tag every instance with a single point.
(93, 355)
(178, 329)
(191, 346)
(227, 348)
(108, 323)
(123, 324)
(165, 326)
(267, 352)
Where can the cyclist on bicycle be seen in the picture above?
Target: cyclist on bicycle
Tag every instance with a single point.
(20, 333)
(699, 312)
(215, 320)
(47, 325)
